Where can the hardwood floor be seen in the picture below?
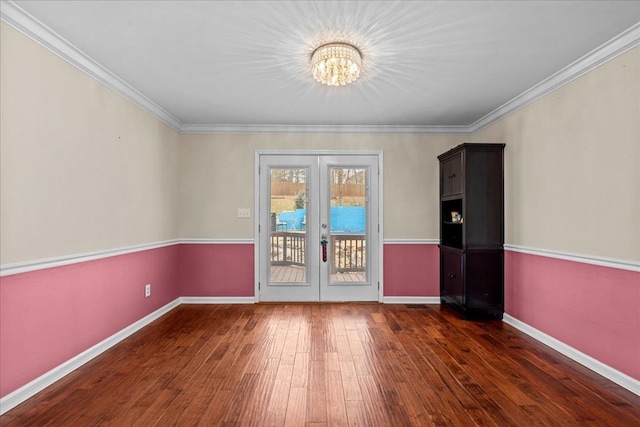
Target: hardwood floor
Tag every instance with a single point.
(328, 364)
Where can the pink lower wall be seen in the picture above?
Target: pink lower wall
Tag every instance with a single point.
(218, 270)
(411, 270)
(221, 270)
(50, 316)
(593, 309)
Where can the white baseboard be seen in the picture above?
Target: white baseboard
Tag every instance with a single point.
(411, 300)
(217, 300)
(606, 371)
(18, 396)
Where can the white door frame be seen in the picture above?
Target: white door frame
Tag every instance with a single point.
(256, 204)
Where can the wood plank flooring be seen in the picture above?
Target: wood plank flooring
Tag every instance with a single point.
(328, 365)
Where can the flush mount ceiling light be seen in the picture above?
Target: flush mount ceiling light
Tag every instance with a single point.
(336, 64)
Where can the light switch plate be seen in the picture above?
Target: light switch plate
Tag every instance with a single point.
(244, 213)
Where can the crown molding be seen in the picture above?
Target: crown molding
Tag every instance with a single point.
(212, 129)
(22, 21)
(28, 25)
(621, 43)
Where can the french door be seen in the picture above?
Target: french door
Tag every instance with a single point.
(318, 227)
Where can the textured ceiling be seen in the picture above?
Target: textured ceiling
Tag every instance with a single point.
(426, 63)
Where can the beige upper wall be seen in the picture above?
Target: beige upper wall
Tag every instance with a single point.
(572, 165)
(217, 177)
(82, 169)
(572, 161)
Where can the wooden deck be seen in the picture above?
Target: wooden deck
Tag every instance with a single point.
(284, 274)
(296, 274)
(328, 364)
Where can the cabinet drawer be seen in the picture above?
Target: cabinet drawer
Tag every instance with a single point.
(452, 279)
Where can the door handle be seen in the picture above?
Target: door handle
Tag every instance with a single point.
(323, 242)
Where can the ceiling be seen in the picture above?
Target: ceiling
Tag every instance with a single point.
(426, 63)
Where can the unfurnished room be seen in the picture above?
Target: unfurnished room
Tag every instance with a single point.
(319, 213)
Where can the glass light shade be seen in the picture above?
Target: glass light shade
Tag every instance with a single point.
(336, 64)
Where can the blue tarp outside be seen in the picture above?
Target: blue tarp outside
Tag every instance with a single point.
(344, 219)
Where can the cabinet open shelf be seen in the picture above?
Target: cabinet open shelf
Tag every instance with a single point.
(451, 233)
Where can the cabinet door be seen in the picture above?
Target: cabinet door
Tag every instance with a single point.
(484, 269)
(451, 176)
(445, 181)
(452, 276)
(455, 176)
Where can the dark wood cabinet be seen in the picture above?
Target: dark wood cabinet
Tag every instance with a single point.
(472, 229)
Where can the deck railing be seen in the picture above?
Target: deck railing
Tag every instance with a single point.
(349, 250)
(349, 253)
(287, 247)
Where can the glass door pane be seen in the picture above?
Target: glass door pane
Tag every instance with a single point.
(288, 195)
(349, 208)
(288, 242)
(347, 224)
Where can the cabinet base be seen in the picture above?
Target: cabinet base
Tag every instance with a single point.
(473, 313)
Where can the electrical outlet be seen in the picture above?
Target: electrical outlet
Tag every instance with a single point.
(244, 213)
(147, 290)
